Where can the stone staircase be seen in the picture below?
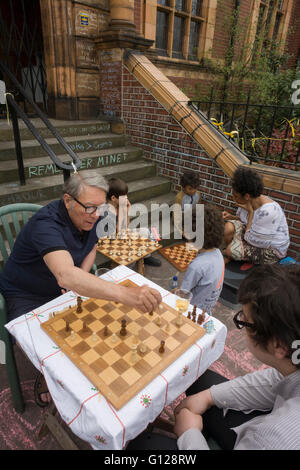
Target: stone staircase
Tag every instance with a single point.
(97, 146)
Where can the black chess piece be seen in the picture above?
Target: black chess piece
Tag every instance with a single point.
(162, 347)
(123, 331)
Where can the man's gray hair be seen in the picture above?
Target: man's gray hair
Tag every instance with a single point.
(77, 181)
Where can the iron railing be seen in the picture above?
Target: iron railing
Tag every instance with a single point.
(21, 49)
(268, 134)
(16, 112)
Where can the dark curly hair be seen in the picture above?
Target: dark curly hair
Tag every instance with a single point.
(273, 292)
(213, 226)
(189, 178)
(247, 181)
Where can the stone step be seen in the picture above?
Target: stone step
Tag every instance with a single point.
(43, 166)
(49, 187)
(32, 148)
(65, 128)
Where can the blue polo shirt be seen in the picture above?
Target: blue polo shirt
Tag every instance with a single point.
(50, 229)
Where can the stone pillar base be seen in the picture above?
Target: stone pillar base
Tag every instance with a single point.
(123, 39)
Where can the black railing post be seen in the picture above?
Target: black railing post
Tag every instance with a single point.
(210, 101)
(246, 114)
(232, 117)
(270, 133)
(17, 139)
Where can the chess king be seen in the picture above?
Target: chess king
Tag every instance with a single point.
(56, 250)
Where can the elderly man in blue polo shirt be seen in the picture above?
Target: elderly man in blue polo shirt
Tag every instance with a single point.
(56, 250)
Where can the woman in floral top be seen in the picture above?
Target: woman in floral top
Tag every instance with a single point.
(259, 232)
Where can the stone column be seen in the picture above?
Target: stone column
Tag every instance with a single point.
(59, 50)
(121, 34)
(122, 14)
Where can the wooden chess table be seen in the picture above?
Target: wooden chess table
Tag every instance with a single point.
(128, 247)
(85, 410)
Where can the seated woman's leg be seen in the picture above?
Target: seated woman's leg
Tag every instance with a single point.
(215, 424)
(229, 230)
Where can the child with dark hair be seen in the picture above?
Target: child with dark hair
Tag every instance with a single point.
(259, 232)
(118, 215)
(117, 188)
(205, 274)
(260, 410)
(117, 196)
(187, 198)
(189, 193)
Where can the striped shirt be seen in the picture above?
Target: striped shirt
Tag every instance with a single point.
(264, 390)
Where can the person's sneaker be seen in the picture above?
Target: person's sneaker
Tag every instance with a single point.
(152, 261)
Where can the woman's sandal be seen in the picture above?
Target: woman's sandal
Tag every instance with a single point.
(40, 388)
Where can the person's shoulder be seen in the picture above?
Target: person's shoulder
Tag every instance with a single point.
(199, 197)
(210, 258)
(179, 196)
(51, 213)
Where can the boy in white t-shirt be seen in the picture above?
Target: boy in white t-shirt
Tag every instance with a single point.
(259, 232)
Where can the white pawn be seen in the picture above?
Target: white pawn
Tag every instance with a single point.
(134, 356)
(94, 336)
(179, 320)
(114, 338)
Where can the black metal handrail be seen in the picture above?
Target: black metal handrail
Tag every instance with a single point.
(254, 130)
(15, 110)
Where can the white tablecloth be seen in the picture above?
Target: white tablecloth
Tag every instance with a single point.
(81, 406)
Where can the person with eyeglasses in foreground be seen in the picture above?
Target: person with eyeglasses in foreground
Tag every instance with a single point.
(56, 249)
(260, 410)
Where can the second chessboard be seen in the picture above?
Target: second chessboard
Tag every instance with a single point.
(127, 247)
(179, 255)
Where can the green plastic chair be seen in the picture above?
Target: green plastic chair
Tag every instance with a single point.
(12, 218)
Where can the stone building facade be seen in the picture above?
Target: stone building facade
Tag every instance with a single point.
(88, 76)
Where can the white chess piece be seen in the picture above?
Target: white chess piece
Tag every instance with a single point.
(94, 336)
(114, 338)
(134, 356)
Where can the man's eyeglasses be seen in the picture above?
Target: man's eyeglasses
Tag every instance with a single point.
(240, 323)
(89, 209)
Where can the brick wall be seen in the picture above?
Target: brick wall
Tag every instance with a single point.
(222, 30)
(110, 80)
(293, 46)
(138, 15)
(172, 149)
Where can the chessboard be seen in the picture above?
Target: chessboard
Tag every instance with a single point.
(118, 365)
(179, 255)
(127, 247)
